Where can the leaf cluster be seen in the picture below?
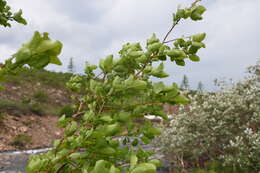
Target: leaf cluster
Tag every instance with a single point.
(194, 12)
(6, 15)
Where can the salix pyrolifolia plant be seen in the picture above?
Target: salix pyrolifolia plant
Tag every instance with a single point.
(222, 128)
(102, 136)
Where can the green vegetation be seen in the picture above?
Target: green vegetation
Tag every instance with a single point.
(2, 117)
(113, 99)
(26, 100)
(47, 96)
(6, 15)
(40, 96)
(67, 110)
(38, 109)
(35, 91)
(218, 133)
(17, 108)
(44, 77)
(221, 131)
(21, 140)
(43, 98)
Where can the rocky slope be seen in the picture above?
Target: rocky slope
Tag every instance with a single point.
(30, 105)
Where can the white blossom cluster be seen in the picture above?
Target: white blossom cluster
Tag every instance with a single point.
(222, 126)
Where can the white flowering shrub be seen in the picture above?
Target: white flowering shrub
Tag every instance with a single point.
(222, 127)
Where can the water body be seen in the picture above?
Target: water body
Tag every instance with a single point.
(12, 162)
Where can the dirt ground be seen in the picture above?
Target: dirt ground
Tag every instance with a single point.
(40, 131)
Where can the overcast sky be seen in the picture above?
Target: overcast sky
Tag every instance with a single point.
(92, 29)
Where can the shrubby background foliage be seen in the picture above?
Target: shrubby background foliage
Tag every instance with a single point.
(222, 128)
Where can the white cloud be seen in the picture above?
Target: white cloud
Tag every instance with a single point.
(92, 29)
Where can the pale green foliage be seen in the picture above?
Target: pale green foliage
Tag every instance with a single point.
(220, 127)
(102, 135)
(195, 12)
(6, 15)
(37, 53)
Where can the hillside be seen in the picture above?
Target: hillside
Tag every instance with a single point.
(30, 105)
(29, 108)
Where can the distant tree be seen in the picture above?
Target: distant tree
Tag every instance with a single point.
(200, 87)
(185, 83)
(71, 66)
(215, 82)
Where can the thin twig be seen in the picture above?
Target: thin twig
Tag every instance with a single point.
(168, 33)
(73, 164)
(176, 23)
(168, 41)
(171, 40)
(140, 71)
(61, 167)
(98, 75)
(102, 106)
(63, 157)
(126, 107)
(164, 40)
(77, 114)
(104, 77)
